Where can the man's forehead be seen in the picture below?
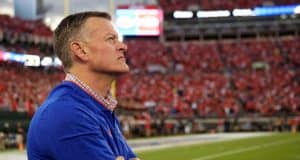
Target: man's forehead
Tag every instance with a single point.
(98, 24)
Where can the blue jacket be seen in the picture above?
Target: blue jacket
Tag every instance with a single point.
(72, 125)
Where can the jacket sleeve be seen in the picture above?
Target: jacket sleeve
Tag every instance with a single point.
(128, 149)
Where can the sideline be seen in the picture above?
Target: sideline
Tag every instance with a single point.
(169, 142)
(237, 151)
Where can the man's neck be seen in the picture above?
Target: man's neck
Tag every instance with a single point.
(100, 83)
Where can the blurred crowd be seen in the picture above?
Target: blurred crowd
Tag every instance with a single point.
(24, 36)
(189, 79)
(174, 79)
(213, 79)
(24, 89)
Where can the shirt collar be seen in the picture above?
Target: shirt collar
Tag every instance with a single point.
(109, 102)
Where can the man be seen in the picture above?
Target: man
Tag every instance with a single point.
(77, 120)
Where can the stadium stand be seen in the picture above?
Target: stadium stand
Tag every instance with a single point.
(215, 74)
(215, 81)
(170, 83)
(30, 37)
(23, 89)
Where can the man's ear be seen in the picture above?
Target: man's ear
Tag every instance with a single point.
(77, 50)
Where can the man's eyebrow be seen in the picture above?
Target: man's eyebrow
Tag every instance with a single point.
(112, 34)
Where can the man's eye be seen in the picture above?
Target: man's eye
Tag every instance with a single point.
(111, 39)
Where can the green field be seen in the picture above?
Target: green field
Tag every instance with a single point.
(284, 146)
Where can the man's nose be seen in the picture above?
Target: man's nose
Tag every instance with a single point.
(122, 47)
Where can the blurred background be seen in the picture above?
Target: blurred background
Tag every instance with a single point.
(198, 67)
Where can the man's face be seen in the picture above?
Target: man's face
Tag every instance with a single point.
(101, 43)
